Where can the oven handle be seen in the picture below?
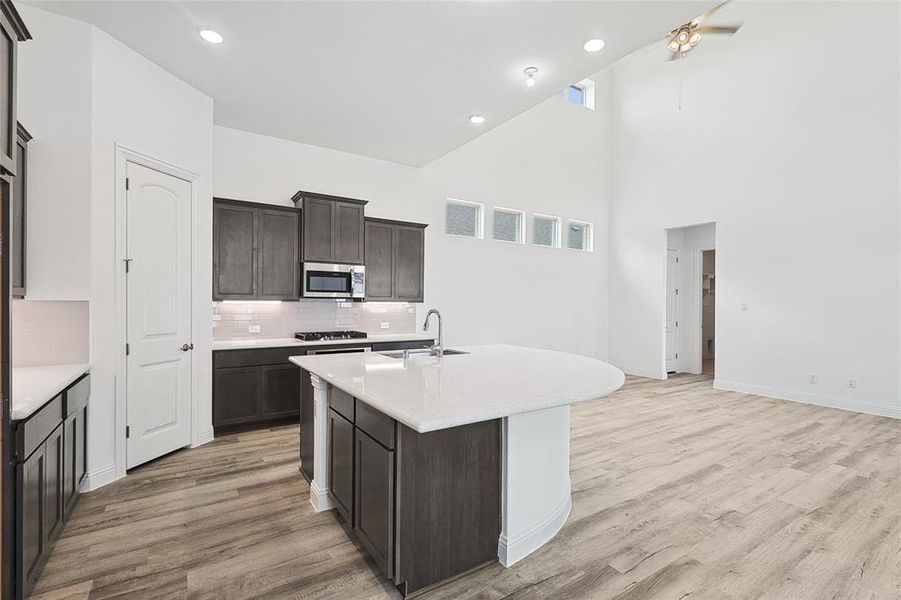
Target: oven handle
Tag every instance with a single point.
(341, 350)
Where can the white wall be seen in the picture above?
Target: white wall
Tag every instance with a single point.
(54, 103)
(791, 147)
(550, 159)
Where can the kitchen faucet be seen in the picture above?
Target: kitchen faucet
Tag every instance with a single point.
(437, 349)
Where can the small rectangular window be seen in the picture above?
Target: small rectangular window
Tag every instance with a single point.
(579, 236)
(581, 93)
(546, 231)
(463, 218)
(507, 225)
(575, 94)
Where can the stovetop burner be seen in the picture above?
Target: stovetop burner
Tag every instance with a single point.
(312, 336)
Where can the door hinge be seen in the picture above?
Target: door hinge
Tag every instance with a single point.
(127, 349)
(677, 323)
(677, 258)
(127, 262)
(127, 432)
(677, 355)
(677, 291)
(127, 184)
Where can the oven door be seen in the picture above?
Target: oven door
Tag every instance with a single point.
(328, 280)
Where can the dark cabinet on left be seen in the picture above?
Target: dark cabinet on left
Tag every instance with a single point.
(254, 388)
(255, 251)
(19, 203)
(50, 454)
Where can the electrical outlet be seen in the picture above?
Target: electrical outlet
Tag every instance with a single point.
(384, 324)
(745, 307)
(253, 328)
(812, 379)
(852, 383)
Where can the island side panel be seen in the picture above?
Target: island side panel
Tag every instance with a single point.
(537, 490)
(320, 495)
(448, 501)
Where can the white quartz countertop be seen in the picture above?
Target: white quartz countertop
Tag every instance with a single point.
(426, 393)
(32, 387)
(288, 342)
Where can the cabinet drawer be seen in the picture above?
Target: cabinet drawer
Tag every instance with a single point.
(30, 434)
(254, 357)
(379, 426)
(76, 397)
(341, 402)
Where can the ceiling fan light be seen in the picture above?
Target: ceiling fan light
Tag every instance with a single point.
(685, 47)
(694, 39)
(673, 46)
(682, 37)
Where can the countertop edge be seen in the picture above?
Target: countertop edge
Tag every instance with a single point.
(59, 385)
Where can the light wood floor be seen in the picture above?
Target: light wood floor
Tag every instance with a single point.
(679, 492)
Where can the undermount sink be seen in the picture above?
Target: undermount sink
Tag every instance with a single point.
(420, 352)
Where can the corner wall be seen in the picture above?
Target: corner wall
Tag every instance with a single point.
(791, 147)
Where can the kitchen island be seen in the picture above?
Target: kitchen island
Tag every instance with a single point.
(439, 465)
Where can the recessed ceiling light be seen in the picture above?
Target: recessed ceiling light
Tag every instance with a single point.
(595, 45)
(476, 119)
(213, 37)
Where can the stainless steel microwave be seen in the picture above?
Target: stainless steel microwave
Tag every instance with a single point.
(330, 280)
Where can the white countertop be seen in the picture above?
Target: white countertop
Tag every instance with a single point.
(32, 387)
(287, 342)
(426, 394)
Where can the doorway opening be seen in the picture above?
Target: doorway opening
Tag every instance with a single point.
(690, 309)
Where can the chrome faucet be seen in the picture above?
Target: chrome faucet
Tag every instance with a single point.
(437, 349)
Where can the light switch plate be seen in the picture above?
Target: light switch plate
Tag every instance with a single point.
(253, 328)
(385, 325)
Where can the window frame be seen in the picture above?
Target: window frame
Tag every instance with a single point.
(558, 234)
(587, 86)
(480, 218)
(522, 224)
(589, 235)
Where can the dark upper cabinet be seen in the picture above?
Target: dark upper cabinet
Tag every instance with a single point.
(255, 251)
(341, 464)
(12, 31)
(374, 500)
(333, 228)
(395, 260)
(18, 193)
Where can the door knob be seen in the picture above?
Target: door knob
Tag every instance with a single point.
(186, 347)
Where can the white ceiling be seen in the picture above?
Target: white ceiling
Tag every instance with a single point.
(391, 80)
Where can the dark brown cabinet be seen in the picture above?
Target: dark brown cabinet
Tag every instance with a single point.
(12, 31)
(307, 448)
(333, 228)
(341, 465)
(255, 251)
(374, 509)
(254, 388)
(18, 188)
(52, 465)
(395, 260)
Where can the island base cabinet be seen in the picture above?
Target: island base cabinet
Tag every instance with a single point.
(341, 465)
(374, 492)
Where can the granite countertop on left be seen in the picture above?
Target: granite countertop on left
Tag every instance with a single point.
(32, 387)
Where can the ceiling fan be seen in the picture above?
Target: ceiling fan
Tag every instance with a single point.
(685, 37)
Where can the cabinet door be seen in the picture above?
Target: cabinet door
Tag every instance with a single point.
(341, 464)
(278, 255)
(31, 477)
(17, 237)
(53, 486)
(74, 463)
(409, 257)
(348, 233)
(306, 425)
(374, 500)
(318, 223)
(236, 395)
(379, 261)
(81, 448)
(7, 96)
(234, 253)
(281, 391)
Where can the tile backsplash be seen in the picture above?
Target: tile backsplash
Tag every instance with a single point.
(281, 319)
(49, 333)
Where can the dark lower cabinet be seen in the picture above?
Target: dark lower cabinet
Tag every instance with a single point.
(30, 485)
(341, 464)
(374, 508)
(281, 391)
(306, 426)
(236, 396)
(75, 429)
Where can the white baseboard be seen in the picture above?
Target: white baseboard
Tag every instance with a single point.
(643, 373)
(99, 478)
(204, 436)
(808, 398)
(511, 551)
(320, 499)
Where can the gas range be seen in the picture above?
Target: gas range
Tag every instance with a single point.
(314, 336)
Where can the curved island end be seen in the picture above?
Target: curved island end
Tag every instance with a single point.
(439, 465)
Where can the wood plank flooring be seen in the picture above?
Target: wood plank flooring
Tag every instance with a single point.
(679, 491)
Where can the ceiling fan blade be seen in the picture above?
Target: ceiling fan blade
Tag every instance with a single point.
(699, 19)
(724, 29)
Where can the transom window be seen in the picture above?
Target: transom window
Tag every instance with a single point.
(508, 225)
(546, 231)
(463, 218)
(581, 93)
(579, 236)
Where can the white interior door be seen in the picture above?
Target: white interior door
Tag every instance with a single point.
(672, 310)
(158, 248)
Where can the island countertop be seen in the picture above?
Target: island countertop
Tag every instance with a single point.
(426, 393)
